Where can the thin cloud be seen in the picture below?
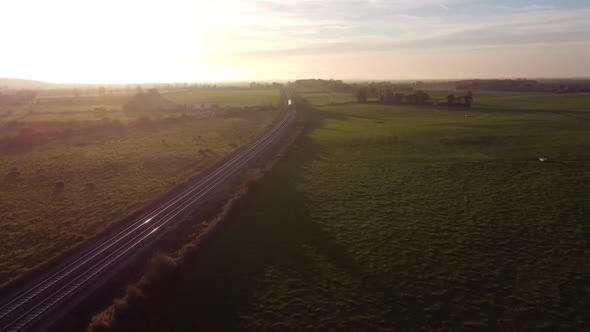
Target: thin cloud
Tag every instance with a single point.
(543, 27)
(264, 37)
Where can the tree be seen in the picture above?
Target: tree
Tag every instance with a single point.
(362, 95)
(398, 98)
(451, 99)
(468, 100)
(388, 96)
(421, 97)
(373, 90)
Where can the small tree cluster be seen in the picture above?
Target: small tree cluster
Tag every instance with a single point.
(417, 97)
(465, 100)
(362, 95)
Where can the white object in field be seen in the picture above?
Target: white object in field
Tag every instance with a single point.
(543, 159)
(289, 102)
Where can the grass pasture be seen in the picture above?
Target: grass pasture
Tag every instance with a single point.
(405, 218)
(105, 177)
(64, 108)
(574, 102)
(233, 97)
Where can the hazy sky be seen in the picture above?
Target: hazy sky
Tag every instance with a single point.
(123, 41)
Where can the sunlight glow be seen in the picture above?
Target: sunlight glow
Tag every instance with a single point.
(131, 41)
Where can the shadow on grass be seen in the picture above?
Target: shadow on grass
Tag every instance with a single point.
(274, 231)
(262, 269)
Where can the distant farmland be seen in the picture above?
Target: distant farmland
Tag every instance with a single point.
(226, 97)
(69, 107)
(69, 172)
(405, 218)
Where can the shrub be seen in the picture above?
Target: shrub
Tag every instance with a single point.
(133, 303)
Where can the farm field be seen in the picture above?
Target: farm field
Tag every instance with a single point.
(574, 102)
(521, 100)
(56, 194)
(226, 97)
(405, 218)
(46, 107)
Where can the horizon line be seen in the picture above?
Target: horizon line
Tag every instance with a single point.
(283, 80)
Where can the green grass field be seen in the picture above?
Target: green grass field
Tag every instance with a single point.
(520, 100)
(541, 101)
(226, 97)
(405, 218)
(37, 221)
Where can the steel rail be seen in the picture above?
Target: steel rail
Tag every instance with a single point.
(135, 234)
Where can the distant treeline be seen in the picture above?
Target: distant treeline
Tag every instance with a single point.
(416, 97)
(524, 85)
(151, 101)
(374, 89)
(385, 92)
(147, 101)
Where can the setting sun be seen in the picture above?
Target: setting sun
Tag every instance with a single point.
(112, 41)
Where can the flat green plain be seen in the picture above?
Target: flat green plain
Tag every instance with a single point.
(226, 97)
(405, 218)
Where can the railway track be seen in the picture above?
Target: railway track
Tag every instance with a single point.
(57, 288)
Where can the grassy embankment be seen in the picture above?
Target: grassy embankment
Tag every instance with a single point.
(108, 175)
(407, 218)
